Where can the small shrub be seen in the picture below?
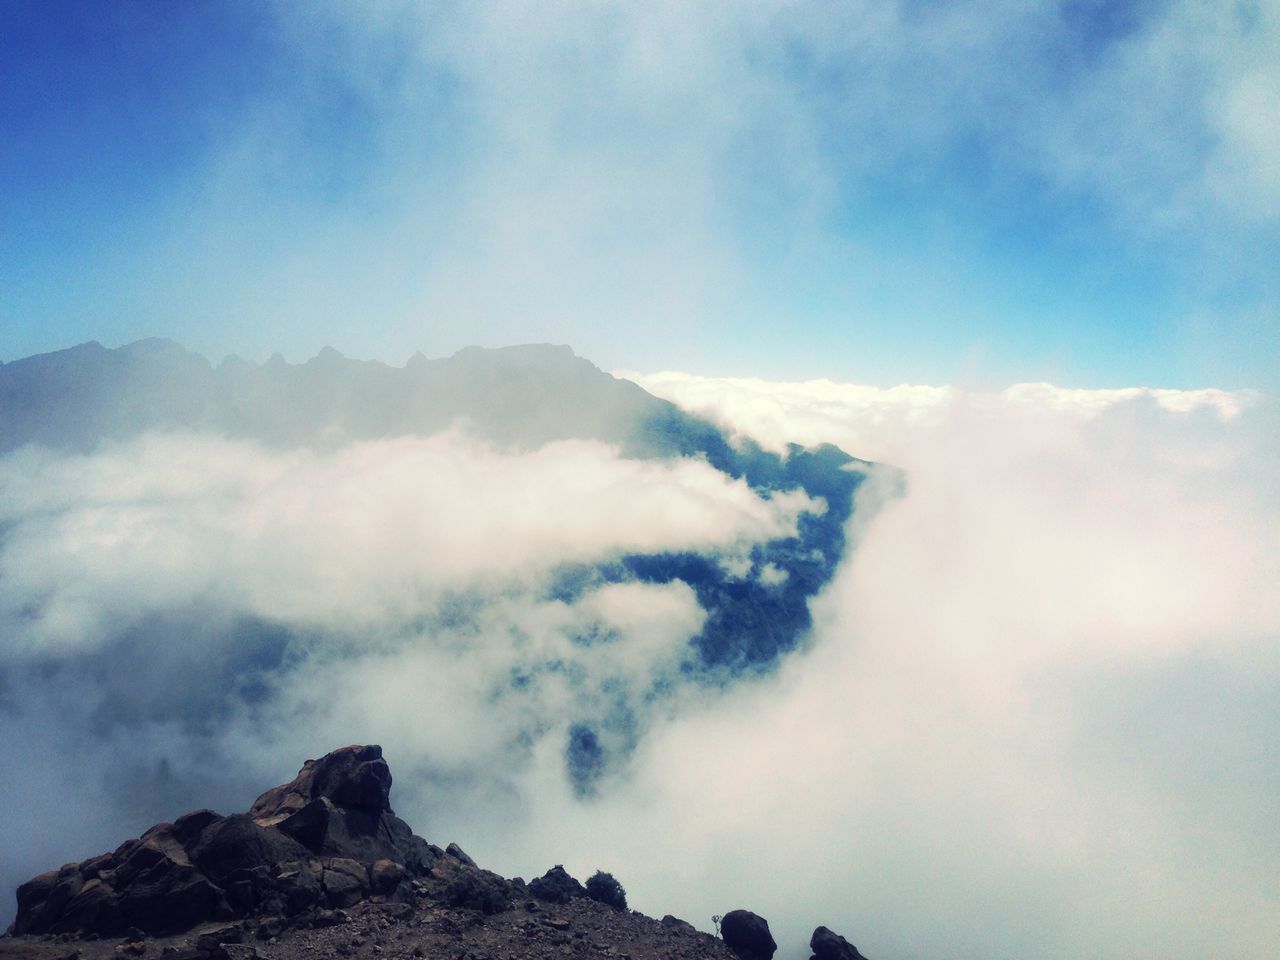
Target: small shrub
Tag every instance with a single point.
(605, 889)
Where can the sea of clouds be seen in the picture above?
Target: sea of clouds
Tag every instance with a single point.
(1035, 715)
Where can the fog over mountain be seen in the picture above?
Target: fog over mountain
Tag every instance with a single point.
(199, 559)
(1015, 699)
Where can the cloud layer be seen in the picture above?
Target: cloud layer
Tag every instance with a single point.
(186, 614)
(1034, 716)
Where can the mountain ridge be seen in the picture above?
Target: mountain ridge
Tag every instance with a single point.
(519, 396)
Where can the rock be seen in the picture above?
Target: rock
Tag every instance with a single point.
(455, 851)
(297, 883)
(210, 941)
(175, 900)
(345, 882)
(42, 898)
(190, 825)
(355, 777)
(827, 945)
(338, 806)
(239, 843)
(94, 909)
(309, 825)
(385, 875)
(479, 890)
(747, 935)
(556, 886)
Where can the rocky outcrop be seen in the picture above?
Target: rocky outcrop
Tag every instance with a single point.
(747, 935)
(328, 838)
(827, 945)
(557, 886)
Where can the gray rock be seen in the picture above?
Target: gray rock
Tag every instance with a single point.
(345, 882)
(747, 934)
(385, 875)
(455, 851)
(556, 886)
(827, 945)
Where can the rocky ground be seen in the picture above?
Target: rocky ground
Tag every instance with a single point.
(421, 928)
(321, 867)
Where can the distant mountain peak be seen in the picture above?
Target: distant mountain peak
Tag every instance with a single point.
(327, 355)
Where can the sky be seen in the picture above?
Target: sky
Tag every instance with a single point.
(1082, 192)
(1022, 252)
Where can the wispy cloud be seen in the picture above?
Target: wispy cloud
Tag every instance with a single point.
(1078, 188)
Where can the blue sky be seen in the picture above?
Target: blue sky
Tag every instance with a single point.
(1083, 192)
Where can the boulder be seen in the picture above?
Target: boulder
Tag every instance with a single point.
(95, 908)
(556, 886)
(356, 777)
(298, 885)
(178, 899)
(747, 935)
(385, 875)
(827, 945)
(241, 843)
(339, 806)
(480, 890)
(43, 897)
(345, 881)
(455, 851)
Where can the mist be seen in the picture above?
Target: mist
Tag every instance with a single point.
(1032, 713)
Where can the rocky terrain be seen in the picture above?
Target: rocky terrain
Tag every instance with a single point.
(322, 867)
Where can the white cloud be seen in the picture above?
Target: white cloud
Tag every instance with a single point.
(1035, 717)
(367, 536)
(883, 423)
